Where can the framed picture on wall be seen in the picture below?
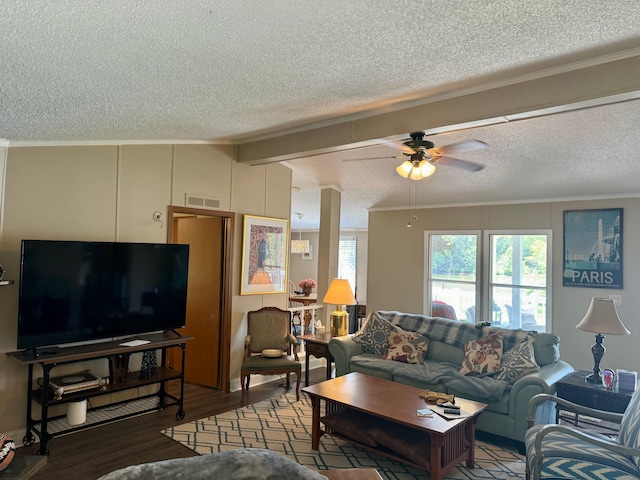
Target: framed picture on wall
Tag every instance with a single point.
(264, 255)
(308, 255)
(592, 248)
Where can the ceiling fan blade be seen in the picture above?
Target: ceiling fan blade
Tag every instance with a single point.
(460, 147)
(457, 163)
(403, 148)
(371, 158)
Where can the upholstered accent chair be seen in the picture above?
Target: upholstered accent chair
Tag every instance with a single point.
(561, 451)
(268, 348)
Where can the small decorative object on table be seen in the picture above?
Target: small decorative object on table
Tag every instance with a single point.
(307, 285)
(608, 377)
(627, 380)
(118, 368)
(149, 365)
(437, 397)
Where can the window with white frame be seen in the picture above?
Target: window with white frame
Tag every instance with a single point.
(347, 260)
(516, 289)
(519, 279)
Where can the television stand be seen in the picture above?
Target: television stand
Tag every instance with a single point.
(63, 356)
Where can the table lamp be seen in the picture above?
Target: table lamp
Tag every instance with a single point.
(601, 317)
(339, 294)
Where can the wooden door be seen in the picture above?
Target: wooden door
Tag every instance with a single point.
(204, 235)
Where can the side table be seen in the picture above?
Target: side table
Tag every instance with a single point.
(319, 348)
(576, 389)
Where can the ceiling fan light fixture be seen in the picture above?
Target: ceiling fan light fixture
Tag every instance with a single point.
(426, 169)
(404, 169)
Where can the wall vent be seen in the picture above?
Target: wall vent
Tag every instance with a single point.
(200, 201)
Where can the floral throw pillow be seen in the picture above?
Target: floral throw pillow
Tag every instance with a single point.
(407, 347)
(482, 356)
(518, 362)
(373, 337)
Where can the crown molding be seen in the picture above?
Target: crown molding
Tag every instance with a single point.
(94, 143)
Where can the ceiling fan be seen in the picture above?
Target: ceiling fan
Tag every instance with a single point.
(421, 156)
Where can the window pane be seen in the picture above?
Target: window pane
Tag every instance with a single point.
(347, 260)
(452, 275)
(519, 260)
(520, 308)
(453, 257)
(453, 300)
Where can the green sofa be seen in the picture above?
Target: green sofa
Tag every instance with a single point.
(506, 414)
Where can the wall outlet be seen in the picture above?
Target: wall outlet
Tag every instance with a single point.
(617, 299)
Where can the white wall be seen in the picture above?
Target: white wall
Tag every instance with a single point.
(395, 278)
(110, 193)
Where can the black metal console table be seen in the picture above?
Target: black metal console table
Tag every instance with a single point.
(52, 358)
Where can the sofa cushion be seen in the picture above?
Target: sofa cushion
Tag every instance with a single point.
(443, 352)
(407, 347)
(436, 376)
(482, 356)
(518, 362)
(428, 376)
(373, 337)
(547, 348)
(371, 364)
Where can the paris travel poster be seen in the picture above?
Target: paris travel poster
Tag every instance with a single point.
(593, 248)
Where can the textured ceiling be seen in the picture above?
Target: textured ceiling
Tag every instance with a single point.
(236, 70)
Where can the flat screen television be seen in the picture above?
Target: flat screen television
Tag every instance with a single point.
(74, 291)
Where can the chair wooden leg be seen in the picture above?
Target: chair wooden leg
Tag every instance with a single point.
(244, 386)
(298, 375)
(288, 381)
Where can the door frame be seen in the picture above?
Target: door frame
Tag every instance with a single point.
(226, 283)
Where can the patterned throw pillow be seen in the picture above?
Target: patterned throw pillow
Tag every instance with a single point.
(373, 337)
(482, 356)
(407, 347)
(518, 362)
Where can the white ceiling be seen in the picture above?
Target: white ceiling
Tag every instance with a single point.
(239, 70)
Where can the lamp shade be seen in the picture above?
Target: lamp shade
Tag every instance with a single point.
(404, 169)
(340, 293)
(602, 317)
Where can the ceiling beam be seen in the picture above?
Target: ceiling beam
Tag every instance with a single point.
(553, 92)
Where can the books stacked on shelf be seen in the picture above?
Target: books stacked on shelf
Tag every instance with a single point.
(74, 383)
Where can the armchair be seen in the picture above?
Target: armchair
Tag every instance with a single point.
(269, 332)
(559, 451)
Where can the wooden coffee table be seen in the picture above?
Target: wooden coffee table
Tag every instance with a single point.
(450, 441)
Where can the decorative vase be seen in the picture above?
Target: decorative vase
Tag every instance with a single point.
(306, 290)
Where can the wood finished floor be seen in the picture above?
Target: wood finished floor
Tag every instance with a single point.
(91, 453)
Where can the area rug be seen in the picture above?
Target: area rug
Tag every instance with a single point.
(284, 426)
